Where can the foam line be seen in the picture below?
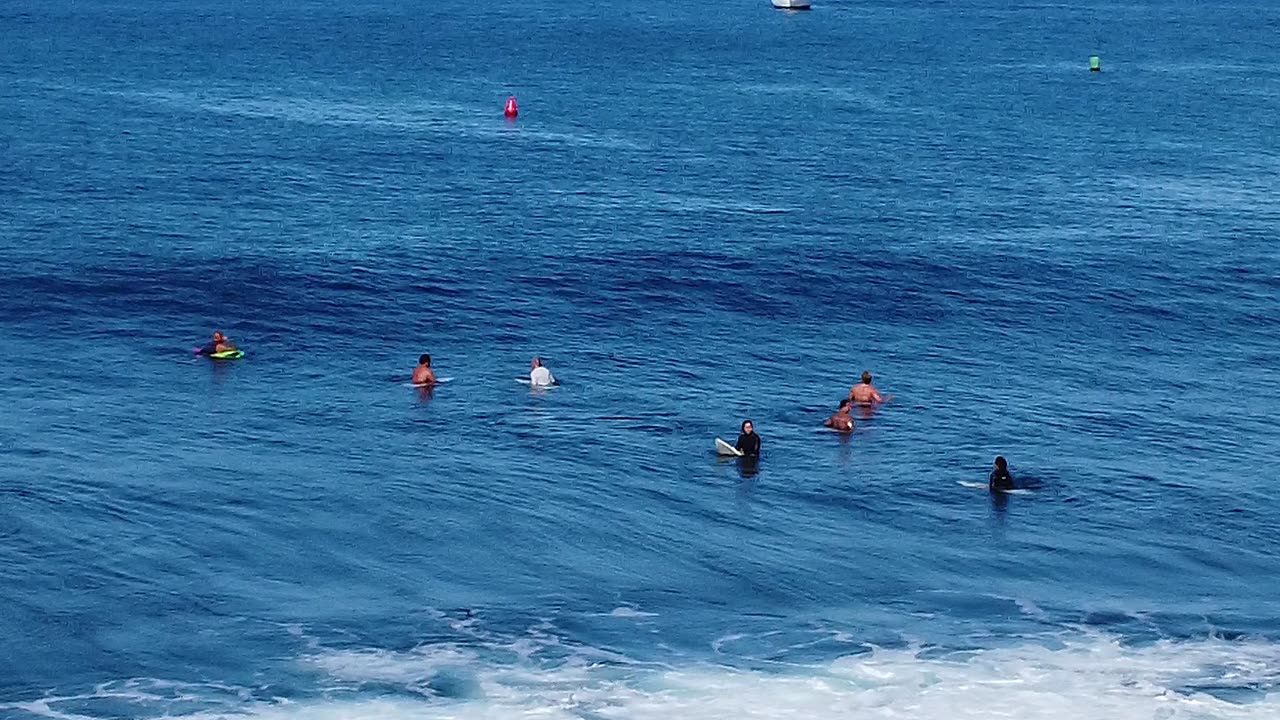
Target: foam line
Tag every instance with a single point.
(1081, 678)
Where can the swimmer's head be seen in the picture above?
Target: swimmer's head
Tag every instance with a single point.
(845, 403)
(866, 377)
(218, 336)
(424, 360)
(747, 427)
(536, 362)
(1000, 463)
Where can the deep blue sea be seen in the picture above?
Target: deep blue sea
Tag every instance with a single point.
(705, 212)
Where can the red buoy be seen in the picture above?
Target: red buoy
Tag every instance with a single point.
(511, 110)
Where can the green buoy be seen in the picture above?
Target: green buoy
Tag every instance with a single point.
(1095, 63)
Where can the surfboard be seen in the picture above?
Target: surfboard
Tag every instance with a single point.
(985, 486)
(439, 381)
(224, 355)
(724, 448)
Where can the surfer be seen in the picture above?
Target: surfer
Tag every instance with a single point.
(841, 421)
(217, 344)
(1000, 479)
(864, 393)
(539, 375)
(423, 375)
(748, 442)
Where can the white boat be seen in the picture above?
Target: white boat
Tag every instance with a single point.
(791, 4)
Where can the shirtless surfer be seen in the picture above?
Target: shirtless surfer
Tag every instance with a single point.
(841, 421)
(423, 375)
(217, 344)
(864, 393)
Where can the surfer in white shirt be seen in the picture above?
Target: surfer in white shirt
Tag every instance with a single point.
(540, 376)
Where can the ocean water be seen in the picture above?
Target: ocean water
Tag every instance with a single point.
(705, 213)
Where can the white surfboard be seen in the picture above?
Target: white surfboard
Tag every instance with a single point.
(985, 486)
(724, 448)
(439, 381)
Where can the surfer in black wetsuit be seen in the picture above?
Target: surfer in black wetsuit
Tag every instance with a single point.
(1000, 479)
(748, 441)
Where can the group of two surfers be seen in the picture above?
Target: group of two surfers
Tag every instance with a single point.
(539, 374)
(864, 394)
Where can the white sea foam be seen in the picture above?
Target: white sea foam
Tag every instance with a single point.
(630, 612)
(1090, 677)
(412, 671)
(1079, 678)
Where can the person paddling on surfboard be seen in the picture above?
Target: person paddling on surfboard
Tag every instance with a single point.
(539, 375)
(218, 344)
(748, 442)
(423, 375)
(1000, 480)
(864, 393)
(841, 421)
